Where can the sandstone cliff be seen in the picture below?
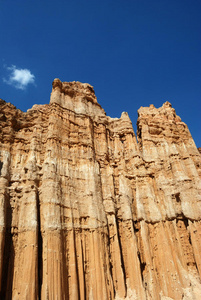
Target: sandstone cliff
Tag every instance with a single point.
(90, 212)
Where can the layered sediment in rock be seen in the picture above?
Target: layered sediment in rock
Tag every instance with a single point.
(90, 212)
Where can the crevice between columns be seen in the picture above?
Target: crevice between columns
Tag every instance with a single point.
(40, 248)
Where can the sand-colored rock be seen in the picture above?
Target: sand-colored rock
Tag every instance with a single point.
(88, 211)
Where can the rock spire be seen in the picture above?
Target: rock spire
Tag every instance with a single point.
(89, 211)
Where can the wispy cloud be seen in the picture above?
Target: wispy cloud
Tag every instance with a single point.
(19, 78)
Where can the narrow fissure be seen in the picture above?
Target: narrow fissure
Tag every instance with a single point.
(84, 283)
(76, 264)
(189, 239)
(142, 266)
(1, 166)
(185, 220)
(40, 249)
(121, 252)
(110, 262)
(8, 256)
(193, 250)
(136, 226)
(64, 262)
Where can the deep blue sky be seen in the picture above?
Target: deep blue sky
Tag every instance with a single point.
(134, 53)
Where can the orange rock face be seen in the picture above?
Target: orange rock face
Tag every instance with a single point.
(89, 212)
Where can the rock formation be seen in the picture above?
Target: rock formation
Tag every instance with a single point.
(90, 212)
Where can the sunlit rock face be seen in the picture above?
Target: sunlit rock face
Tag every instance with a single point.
(88, 211)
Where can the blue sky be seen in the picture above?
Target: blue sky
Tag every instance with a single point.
(134, 53)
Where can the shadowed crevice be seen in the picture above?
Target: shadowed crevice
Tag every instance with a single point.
(1, 166)
(8, 256)
(40, 249)
(76, 263)
(142, 267)
(121, 254)
(84, 283)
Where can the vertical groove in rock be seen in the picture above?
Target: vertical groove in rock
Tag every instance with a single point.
(121, 257)
(8, 257)
(40, 248)
(94, 213)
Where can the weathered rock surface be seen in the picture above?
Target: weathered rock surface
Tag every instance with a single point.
(87, 212)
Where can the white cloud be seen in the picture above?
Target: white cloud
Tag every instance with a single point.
(19, 78)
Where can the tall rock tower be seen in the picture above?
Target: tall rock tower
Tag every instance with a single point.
(87, 211)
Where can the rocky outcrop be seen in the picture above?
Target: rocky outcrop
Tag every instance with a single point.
(90, 212)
